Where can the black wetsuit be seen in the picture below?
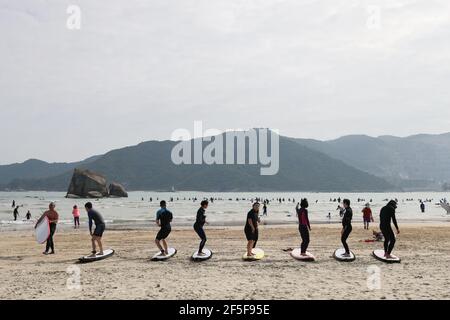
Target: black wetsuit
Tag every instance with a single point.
(387, 214)
(347, 226)
(165, 217)
(303, 228)
(253, 215)
(198, 227)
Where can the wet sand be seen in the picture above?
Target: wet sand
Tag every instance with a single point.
(423, 274)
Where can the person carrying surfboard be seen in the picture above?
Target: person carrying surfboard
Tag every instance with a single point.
(346, 226)
(387, 214)
(304, 227)
(163, 219)
(100, 226)
(53, 218)
(251, 228)
(198, 226)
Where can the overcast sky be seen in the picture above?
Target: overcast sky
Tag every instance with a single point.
(138, 70)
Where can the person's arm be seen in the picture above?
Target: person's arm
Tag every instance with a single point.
(90, 223)
(307, 220)
(394, 220)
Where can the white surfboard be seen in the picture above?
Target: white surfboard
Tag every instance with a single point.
(379, 255)
(42, 230)
(91, 258)
(297, 254)
(258, 255)
(207, 254)
(159, 257)
(338, 255)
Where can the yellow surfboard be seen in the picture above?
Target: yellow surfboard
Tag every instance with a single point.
(258, 255)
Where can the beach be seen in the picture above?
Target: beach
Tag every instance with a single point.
(423, 273)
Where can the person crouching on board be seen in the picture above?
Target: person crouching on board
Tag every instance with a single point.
(346, 226)
(198, 226)
(95, 217)
(304, 227)
(251, 228)
(367, 216)
(53, 218)
(163, 219)
(387, 214)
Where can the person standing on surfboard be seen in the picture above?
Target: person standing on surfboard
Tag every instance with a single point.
(346, 226)
(53, 218)
(198, 226)
(163, 219)
(251, 228)
(304, 227)
(100, 226)
(387, 214)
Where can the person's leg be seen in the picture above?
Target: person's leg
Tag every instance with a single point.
(391, 242)
(50, 244)
(249, 248)
(158, 244)
(165, 246)
(255, 238)
(386, 240)
(303, 236)
(100, 245)
(344, 237)
(202, 236)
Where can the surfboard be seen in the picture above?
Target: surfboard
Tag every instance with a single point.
(106, 254)
(296, 254)
(338, 255)
(42, 230)
(258, 255)
(379, 255)
(158, 257)
(208, 254)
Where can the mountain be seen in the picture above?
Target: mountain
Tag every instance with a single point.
(417, 161)
(148, 166)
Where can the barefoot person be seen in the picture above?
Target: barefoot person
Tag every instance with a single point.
(76, 217)
(367, 216)
(163, 219)
(251, 228)
(304, 226)
(346, 226)
(53, 218)
(387, 214)
(198, 226)
(95, 217)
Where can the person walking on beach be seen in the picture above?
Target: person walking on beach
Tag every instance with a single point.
(163, 219)
(367, 216)
(76, 216)
(28, 215)
(346, 226)
(251, 228)
(16, 213)
(304, 227)
(264, 209)
(198, 226)
(387, 214)
(100, 226)
(422, 207)
(53, 218)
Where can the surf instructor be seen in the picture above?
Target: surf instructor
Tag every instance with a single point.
(251, 228)
(387, 214)
(53, 218)
(95, 217)
(163, 219)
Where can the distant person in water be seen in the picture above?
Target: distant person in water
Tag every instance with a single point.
(53, 218)
(76, 216)
(100, 226)
(422, 207)
(346, 226)
(264, 209)
(251, 228)
(387, 214)
(367, 216)
(303, 224)
(28, 215)
(163, 219)
(16, 213)
(198, 226)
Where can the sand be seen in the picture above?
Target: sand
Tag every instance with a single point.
(423, 274)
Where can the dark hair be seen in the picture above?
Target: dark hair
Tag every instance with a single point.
(162, 203)
(204, 203)
(256, 204)
(88, 205)
(75, 207)
(304, 203)
(346, 201)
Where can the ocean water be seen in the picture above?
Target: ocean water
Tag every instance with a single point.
(225, 210)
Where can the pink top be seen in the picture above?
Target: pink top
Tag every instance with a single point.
(76, 213)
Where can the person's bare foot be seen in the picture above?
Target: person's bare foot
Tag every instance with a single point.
(100, 253)
(202, 254)
(346, 255)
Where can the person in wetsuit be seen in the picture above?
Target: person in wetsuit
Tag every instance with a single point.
(100, 226)
(346, 226)
(163, 219)
(53, 218)
(251, 228)
(16, 213)
(28, 215)
(387, 214)
(304, 227)
(198, 225)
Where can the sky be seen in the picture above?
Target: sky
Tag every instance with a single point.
(138, 70)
